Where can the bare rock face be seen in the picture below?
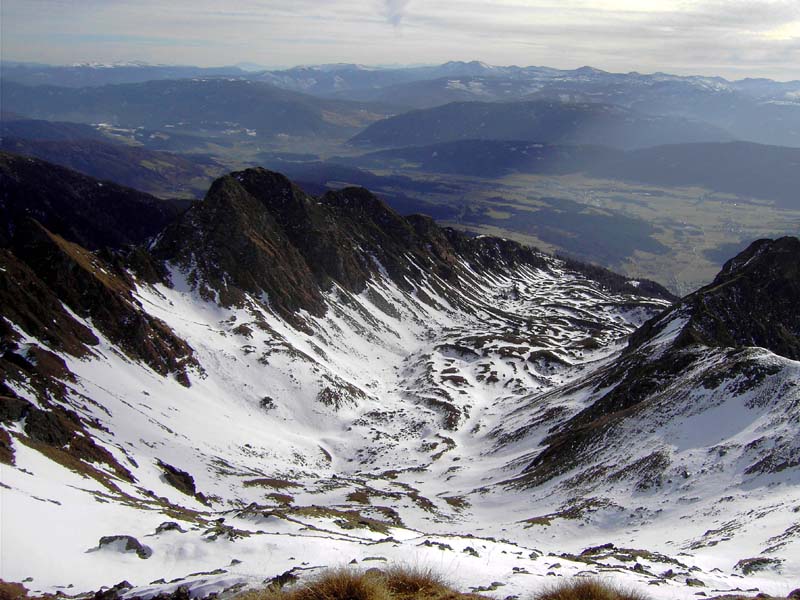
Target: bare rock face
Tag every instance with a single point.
(231, 244)
(181, 481)
(257, 233)
(30, 303)
(752, 302)
(93, 288)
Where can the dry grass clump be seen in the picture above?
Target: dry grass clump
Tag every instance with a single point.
(335, 584)
(414, 582)
(587, 589)
(396, 583)
(12, 591)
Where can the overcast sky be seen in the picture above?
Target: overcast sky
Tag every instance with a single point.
(732, 38)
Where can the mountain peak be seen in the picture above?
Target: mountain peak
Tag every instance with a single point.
(272, 189)
(781, 254)
(587, 70)
(752, 302)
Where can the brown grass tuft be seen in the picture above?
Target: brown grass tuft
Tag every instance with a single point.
(12, 591)
(587, 589)
(336, 584)
(414, 582)
(396, 583)
(418, 583)
(272, 482)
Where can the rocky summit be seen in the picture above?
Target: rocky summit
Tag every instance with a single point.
(269, 382)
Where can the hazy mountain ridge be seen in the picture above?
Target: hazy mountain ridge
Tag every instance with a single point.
(85, 75)
(95, 214)
(324, 378)
(163, 173)
(535, 121)
(757, 110)
(339, 78)
(37, 129)
(213, 104)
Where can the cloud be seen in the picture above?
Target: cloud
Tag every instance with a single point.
(395, 11)
(733, 38)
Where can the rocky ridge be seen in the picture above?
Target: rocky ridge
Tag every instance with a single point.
(291, 379)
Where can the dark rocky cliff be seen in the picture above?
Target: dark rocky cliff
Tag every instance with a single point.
(753, 302)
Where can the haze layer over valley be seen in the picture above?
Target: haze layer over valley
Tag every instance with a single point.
(656, 176)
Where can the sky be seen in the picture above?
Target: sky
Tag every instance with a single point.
(730, 38)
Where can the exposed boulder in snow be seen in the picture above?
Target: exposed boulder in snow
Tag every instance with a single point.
(748, 566)
(169, 526)
(124, 543)
(181, 481)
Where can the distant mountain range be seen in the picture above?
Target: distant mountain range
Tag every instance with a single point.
(315, 79)
(95, 74)
(356, 81)
(758, 110)
(342, 79)
(257, 109)
(359, 81)
(540, 121)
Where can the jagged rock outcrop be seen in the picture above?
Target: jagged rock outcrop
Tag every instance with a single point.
(231, 244)
(256, 232)
(95, 290)
(705, 341)
(754, 301)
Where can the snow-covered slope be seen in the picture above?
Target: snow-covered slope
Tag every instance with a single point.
(290, 383)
